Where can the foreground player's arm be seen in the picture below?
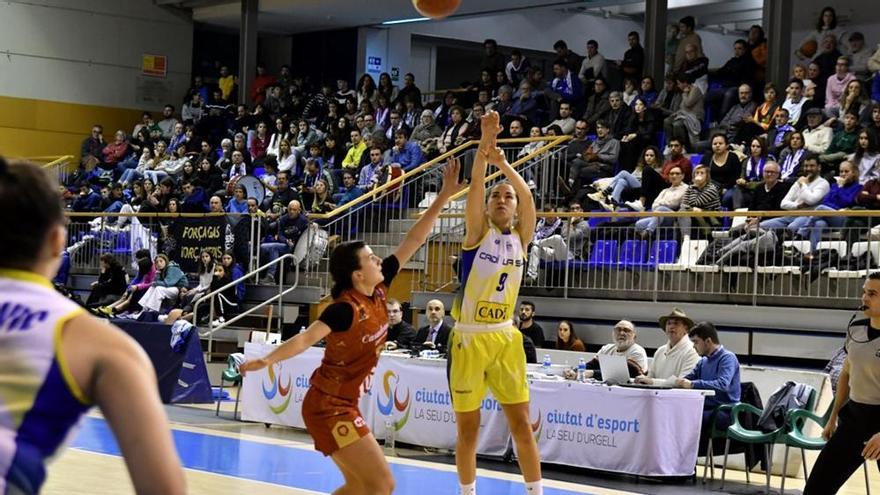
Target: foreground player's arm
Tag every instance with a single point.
(113, 371)
(526, 204)
(419, 232)
(475, 221)
(839, 400)
(292, 347)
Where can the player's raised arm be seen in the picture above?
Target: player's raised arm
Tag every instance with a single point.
(475, 221)
(526, 203)
(292, 347)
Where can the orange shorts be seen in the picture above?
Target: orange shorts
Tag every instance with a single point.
(332, 422)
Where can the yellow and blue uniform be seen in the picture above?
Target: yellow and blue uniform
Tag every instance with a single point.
(485, 348)
(40, 403)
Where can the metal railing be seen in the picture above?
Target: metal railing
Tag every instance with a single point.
(691, 256)
(383, 216)
(212, 328)
(59, 166)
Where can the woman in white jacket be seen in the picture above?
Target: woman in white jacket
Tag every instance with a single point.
(668, 200)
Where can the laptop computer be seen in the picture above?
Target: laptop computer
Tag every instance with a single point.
(614, 369)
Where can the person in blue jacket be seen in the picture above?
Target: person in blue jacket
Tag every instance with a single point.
(167, 284)
(843, 194)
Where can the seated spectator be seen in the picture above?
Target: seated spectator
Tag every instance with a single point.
(724, 167)
(738, 114)
(527, 324)
(612, 197)
(525, 106)
(401, 333)
(792, 157)
(737, 72)
(205, 272)
(92, 149)
(168, 124)
(437, 331)
(195, 199)
(88, 200)
(630, 91)
(618, 116)
(751, 172)
(695, 68)
(208, 177)
(286, 237)
(624, 336)
(233, 267)
(225, 302)
(455, 132)
(843, 143)
(412, 114)
(703, 195)
(406, 154)
(717, 370)
(647, 91)
(778, 133)
(425, 134)
(836, 86)
(396, 124)
(686, 123)
(166, 286)
(565, 121)
(284, 193)
(766, 195)
(348, 191)
(529, 172)
(115, 152)
(763, 118)
(867, 156)
(677, 357)
(238, 202)
(842, 196)
(372, 129)
(553, 238)
(597, 103)
(567, 339)
(669, 199)
(817, 137)
(321, 202)
(178, 138)
(136, 288)
(641, 133)
(669, 99)
(566, 87)
(795, 100)
(368, 176)
(353, 156)
(598, 160)
(807, 192)
(110, 284)
(855, 99)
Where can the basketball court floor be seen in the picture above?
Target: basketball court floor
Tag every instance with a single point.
(225, 456)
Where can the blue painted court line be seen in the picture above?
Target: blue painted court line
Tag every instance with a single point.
(288, 466)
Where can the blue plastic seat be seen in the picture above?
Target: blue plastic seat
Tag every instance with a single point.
(632, 254)
(604, 254)
(661, 252)
(696, 158)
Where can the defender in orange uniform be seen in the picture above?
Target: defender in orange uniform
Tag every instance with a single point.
(354, 327)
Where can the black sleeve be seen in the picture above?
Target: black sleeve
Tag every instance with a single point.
(338, 316)
(390, 267)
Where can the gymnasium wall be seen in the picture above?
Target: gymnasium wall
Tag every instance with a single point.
(68, 64)
(534, 30)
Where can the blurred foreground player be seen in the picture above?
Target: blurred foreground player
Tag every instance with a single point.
(58, 360)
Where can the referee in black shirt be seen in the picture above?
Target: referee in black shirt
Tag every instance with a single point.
(853, 430)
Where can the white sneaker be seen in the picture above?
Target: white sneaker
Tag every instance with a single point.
(218, 322)
(162, 318)
(597, 197)
(635, 205)
(531, 184)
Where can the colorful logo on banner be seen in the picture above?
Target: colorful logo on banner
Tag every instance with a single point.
(277, 389)
(393, 401)
(538, 427)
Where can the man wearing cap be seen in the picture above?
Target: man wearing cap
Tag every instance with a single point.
(677, 357)
(624, 335)
(817, 137)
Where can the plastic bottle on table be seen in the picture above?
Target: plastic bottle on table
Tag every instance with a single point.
(582, 370)
(547, 363)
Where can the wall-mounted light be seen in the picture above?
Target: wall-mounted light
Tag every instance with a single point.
(405, 21)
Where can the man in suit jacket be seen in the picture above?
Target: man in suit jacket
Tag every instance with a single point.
(436, 331)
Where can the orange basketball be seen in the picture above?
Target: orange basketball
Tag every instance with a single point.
(436, 9)
(808, 49)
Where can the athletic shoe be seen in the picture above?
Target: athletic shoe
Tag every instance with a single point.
(635, 205)
(597, 197)
(219, 321)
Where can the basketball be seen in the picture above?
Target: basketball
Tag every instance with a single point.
(436, 9)
(808, 49)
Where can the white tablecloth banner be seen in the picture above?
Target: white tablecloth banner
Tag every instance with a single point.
(636, 431)
(412, 396)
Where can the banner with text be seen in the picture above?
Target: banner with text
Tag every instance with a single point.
(646, 432)
(196, 234)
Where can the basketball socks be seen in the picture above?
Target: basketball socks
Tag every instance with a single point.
(469, 489)
(534, 488)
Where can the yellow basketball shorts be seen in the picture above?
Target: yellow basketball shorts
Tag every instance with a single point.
(495, 360)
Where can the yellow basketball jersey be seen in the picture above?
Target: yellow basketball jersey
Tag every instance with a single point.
(490, 273)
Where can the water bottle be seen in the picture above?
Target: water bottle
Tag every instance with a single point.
(389, 437)
(582, 370)
(302, 329)
(547, 363)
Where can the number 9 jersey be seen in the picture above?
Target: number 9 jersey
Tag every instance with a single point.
(491, 273)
